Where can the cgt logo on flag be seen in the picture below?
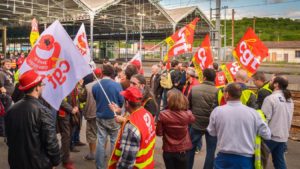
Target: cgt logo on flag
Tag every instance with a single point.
(250, 52)
(55, 57)
(82, 45)
(203, 57)
(182, 40)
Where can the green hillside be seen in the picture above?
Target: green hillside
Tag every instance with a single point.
(268, 29)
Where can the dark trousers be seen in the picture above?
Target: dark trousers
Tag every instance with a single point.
(211, 144)
(277, 150)
(64, 127)
(177, 160)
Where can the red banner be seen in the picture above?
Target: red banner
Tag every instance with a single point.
(182, 40)
(230, 70)
(250, 52)
(203, 57)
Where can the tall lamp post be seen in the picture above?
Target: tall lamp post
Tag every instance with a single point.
(141, 28)
(225, 8)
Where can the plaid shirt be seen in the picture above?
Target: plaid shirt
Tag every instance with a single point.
(130, 145)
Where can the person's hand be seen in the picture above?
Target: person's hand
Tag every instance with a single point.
(120, 119)
(3, 90)
(114, 107)
(75, 110)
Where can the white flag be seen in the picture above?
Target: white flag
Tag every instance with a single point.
(81, 43)
(137, 57)
(137, 61)
(56, 57)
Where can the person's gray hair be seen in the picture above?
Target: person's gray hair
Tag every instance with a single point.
(191, 71)
(241, 75)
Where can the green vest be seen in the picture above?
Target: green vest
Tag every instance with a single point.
(257, 149)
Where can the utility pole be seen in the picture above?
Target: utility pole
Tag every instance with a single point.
(225, 38)
(218, 25)
(232, 28)
(210, 13)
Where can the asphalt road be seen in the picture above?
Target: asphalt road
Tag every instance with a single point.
(292, 156)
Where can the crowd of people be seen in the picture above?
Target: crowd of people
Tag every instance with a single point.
(122, 110)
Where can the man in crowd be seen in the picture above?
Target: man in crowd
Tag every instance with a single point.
(191, 81)
(220, 80)
(248, 98)
(30, 129)
(67, 121)
(89, 114)
(130, 70)
(155, 84)
(263, 91)
(135, 145)
(278, 108)
(259, 80)
(236, 126)
(202, 98)
(176, 75)
(106, 124)
(6, 78)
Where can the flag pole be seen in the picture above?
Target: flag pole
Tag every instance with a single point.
(98, 81)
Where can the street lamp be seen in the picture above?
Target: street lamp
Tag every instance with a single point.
(141, 28)
(225, 8)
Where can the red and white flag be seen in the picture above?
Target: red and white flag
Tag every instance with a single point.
(250, 52)
(55, 56)
(82, 44)
(203, 58)
(137, 61)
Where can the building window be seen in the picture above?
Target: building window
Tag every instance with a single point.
(297, 55)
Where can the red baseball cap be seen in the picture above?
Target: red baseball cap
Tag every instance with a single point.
(132, 94)
(97, 71)
(29, 79)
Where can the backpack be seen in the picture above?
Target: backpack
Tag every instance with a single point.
(165, 80)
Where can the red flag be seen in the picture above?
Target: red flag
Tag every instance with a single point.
(203, 57)
(230, 70)
(250, 51)
(182, 40)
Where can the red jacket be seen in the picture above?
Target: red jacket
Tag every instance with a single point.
(173, 126)
(186, 87)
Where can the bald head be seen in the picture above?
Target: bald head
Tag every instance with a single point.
(241, 76)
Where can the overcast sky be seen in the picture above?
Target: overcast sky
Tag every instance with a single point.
(244, 8)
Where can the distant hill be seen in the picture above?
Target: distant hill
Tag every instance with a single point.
(268, 29)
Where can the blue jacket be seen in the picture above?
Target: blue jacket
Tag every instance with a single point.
(112, 90)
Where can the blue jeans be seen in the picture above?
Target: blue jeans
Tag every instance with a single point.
(277, 150)
(105, 127)
(211, 144)
(232, 161)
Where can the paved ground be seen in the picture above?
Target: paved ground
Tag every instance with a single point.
(292, 156)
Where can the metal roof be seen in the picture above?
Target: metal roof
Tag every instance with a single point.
(112, 17)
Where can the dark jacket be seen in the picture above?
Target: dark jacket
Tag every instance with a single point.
(262, 93)
(173, 126)
(31, 136)
(7, 81)
(176, 79)
(155, 85)
(202, 98)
